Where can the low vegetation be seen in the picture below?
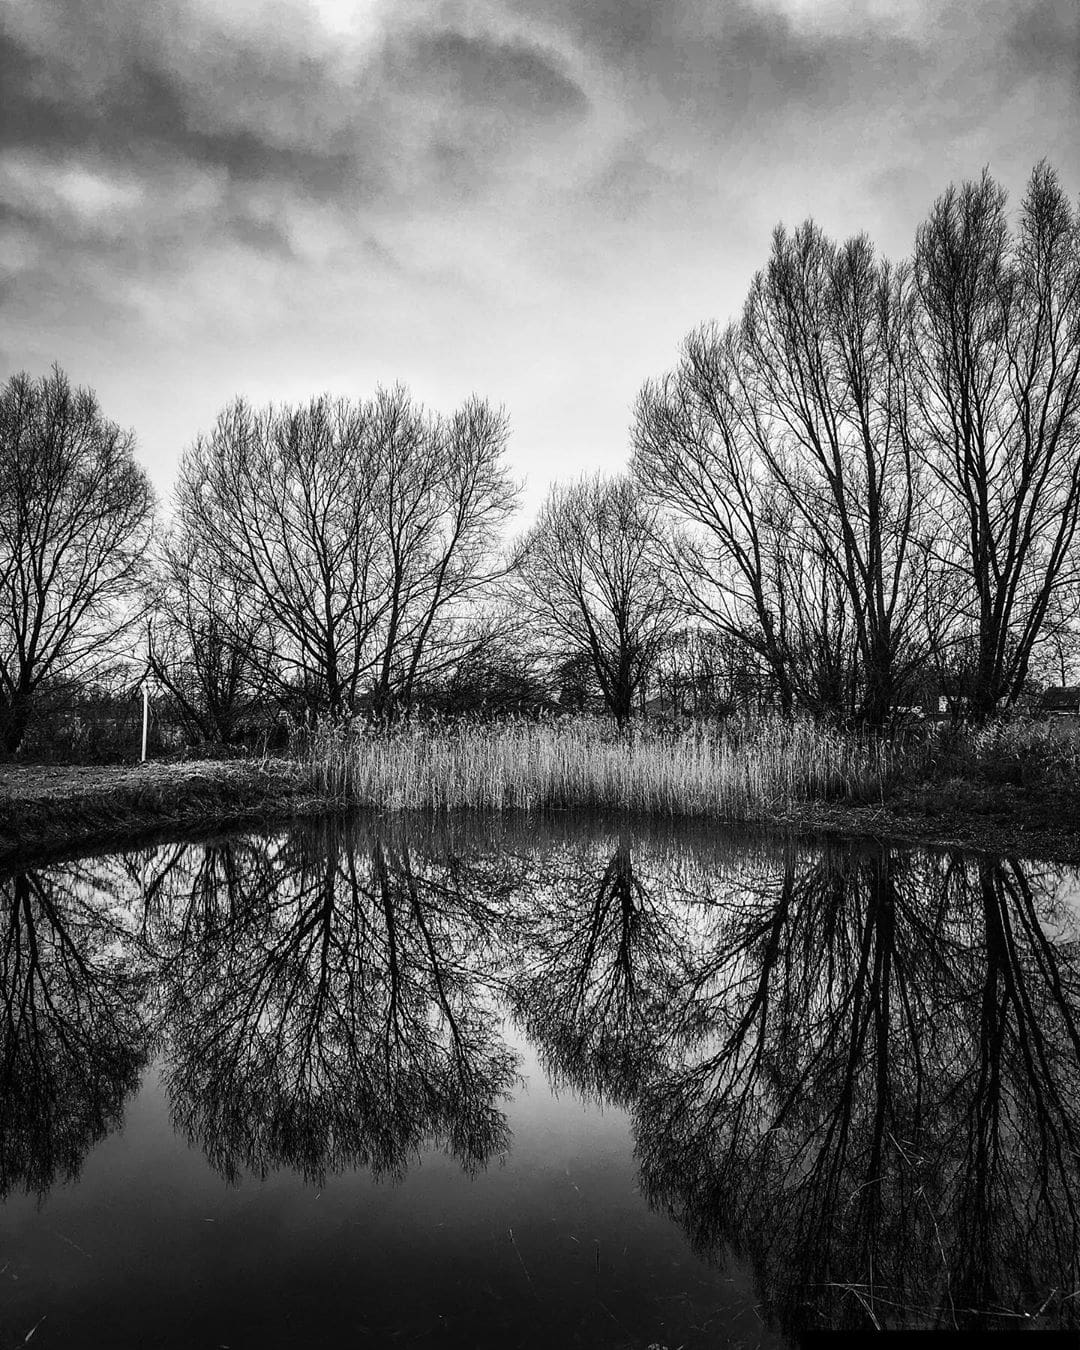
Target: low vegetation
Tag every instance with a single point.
(1014, 776)
(734, 769)
(1009, 785)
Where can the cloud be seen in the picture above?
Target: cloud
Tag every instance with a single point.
(513, 77)
(101, 82)
(89, 201)
(1043, 42)
(335, 123)
(514, 195)
(702, 60)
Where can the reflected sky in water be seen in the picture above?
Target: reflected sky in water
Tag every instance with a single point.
(521, 1083)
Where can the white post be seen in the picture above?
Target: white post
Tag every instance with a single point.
(145, 717)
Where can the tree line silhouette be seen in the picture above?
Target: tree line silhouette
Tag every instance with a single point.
(861, 494)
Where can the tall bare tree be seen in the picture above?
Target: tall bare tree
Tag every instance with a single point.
(997, 333)
(694, 456)
(361, 530)
(784, 442)
(827, 371)
(442, 498)
(209, 642)
(75, 515)
(283, 498)
(592, 579)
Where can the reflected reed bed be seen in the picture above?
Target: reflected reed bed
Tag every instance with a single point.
(735, 769)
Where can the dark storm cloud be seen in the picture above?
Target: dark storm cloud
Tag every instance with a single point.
(632, 185)
(758, 64)
(621, 31)
(483, 99)
(434, 111)
(160, 113)
(141, 150)
(533, 197)
(103, 81)
(261, 236)
(127, 102)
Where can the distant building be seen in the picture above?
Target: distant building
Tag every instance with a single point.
(1062, 698)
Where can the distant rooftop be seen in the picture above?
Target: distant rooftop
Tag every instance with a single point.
(1063, 696)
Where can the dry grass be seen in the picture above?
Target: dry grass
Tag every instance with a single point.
(735, 770)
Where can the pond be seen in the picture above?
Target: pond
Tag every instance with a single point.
(497, 1082)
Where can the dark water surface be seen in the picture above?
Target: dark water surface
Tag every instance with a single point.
(490, 1083)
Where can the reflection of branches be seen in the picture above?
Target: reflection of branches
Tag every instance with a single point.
(188, 892)
(859, 1067)
(335, 1016)
(599, 963)
(1016, 1189)
(72, 1041)
(877, 1109)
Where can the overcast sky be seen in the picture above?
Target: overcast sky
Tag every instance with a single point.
(532, 199)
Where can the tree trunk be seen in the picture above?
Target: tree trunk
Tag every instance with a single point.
(14, 719)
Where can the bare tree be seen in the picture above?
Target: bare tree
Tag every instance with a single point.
(283, 497)
(1056, 658)
(361, 531)
(828, 370)
(693, 456)
(75, 514)
(997, 332)
(442, 498)
(209, 644)
(700, 670)
(592, 578)
(784, 441)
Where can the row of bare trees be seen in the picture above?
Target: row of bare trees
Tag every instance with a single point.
(874, 472)
(319, 557)
(329, 554)
(865, 488)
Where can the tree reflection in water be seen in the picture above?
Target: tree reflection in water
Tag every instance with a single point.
(336, 1011)
(599, 958)
(879, 1106)
(857, 1067)
(73, 1041)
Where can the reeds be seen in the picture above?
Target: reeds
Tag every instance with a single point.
(733, 770)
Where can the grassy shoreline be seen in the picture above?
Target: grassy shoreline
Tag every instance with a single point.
(46, 809)
(1003, 790)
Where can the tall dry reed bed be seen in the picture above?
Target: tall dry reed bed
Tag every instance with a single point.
(736, 769)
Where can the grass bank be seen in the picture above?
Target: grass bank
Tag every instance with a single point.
(49, 807)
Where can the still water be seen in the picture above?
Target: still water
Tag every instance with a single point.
(497, 1083)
